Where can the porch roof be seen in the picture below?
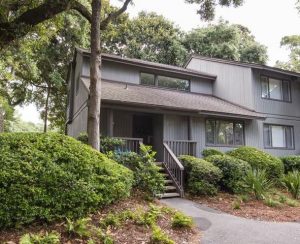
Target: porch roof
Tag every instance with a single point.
(143, 96)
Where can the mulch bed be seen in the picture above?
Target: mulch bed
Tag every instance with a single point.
(252, 209)
(127, 233)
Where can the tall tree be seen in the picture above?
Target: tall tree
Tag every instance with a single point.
(293, 44)
(223, 40)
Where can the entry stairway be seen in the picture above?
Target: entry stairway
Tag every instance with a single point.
(170, 187)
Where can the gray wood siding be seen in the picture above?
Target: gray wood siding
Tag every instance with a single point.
(122, 123)
(201, 86)
(175, 127)
(233, 83)
(276, 107)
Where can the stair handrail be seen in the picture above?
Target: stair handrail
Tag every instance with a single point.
(174, 168)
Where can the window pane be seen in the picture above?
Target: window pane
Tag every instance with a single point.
(275, 89)
(210, 131)
(224, 133)
(267, 136)
(239, 134)
(173, 83)
(289, 137)
(286, 91)
(264, 87)
(147, 79)
(278, 136)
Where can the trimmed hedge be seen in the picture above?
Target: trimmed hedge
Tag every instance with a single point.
(47, 177)
(210, 152)
(234, 170)
(291, 163)
(260, 160)
(202, 176)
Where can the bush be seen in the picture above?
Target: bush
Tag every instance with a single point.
(159, 237)
(291, 163)
(51, 176)
(47, 238)
(233, 171)
(146, 172)
(181, 221)
(256, 182)
(292, 182)
(202, 176)
(210, 152)
(260, 160)
(107, 144)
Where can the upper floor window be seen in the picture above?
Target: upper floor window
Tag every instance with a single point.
(278, 136)
(165, 81)
(224, 133)
(275, 89)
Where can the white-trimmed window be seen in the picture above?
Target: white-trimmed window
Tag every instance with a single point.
(278, 136)
(275, 89)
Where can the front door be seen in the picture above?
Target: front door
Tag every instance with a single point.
(143, 128)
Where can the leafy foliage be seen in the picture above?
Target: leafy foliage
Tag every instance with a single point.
(233, 171)
(222, 40)
(51, 176)
(47, 238)
(146, 172)
(256, 182)
(291, 163)
(6, 114)
(180, 220)
(210, 152)
(78, 227)
(260, 160)
(202, 176)
(159, 237)
(292, 182)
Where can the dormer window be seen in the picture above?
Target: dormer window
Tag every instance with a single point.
(165, 81)
(275, 89)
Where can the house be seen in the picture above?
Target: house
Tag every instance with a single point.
(209, 103)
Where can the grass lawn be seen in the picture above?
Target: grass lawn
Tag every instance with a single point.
(281, 207)
(130, 221)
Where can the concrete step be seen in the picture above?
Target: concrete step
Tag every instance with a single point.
(170, 188)
(159, 164)
(168, 182)
(169, 195)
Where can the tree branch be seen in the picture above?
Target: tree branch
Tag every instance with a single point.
(20, 26)
(114, 15)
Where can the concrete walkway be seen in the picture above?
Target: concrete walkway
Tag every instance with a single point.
(222, 228)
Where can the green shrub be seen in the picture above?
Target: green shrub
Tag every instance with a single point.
(52, 176)
(202, 176)
(47, 238)
(233, 171)
(272, 203)
(291, 163)
(236, 204)
(107, 144)
(292, 182)
(159, 237)
(80, 227)
(210, 152)
(256, 182)
(292, 203)
(146, 172)
(180, 220)
(260, 160)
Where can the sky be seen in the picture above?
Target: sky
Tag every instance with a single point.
(268, 20)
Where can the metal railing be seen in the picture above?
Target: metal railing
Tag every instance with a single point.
(182, 147)
(174, 168)
(130, 144)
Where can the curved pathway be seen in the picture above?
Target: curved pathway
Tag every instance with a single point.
(221, 228)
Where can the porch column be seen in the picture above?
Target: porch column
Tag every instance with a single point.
(110, 122)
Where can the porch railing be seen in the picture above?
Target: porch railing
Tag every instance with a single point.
(182, 147)
(174, 167)
(130, 144)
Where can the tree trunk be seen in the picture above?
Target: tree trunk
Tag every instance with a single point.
(95, 77)
(1, 120)
(46, 109)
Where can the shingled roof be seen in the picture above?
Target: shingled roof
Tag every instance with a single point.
(143, 96)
